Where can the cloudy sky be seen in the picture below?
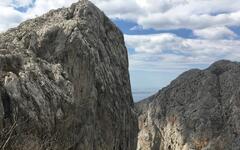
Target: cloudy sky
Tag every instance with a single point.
(164, 37)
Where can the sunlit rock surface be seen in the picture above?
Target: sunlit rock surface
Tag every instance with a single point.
(200, 110)
(64, 83)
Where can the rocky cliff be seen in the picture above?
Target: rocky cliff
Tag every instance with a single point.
(64, 83)
(200, 110)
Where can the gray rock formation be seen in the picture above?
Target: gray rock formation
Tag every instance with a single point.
(200, 110)
(64, 83)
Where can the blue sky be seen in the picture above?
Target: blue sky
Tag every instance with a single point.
(164, 37)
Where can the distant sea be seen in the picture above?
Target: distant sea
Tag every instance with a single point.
(140, 94)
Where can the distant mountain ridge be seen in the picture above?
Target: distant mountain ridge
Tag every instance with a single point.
(199, 110)
(139, 94)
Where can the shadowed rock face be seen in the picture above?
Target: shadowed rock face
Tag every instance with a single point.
(64, 83)
(199, 111)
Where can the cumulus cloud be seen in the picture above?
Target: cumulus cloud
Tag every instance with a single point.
(160, 15)
(175, 20)
(42, 6)
(9, 17)
(153, 43)
(22, 3)
(15, 3)
(170, 52)
(174, 14)
(215, 33)
(122, 9)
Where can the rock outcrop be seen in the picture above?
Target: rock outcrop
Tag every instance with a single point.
(200, 110)
(64, 83)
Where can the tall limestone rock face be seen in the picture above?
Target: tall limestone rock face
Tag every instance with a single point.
(64, 83)
(200, 110)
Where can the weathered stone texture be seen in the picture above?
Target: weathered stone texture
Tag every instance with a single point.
(64, 83)
(197, 111)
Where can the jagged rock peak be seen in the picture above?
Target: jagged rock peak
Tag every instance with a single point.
(222, 66)
(64, 83)
(199, 110)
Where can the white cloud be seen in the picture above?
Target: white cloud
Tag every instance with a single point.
(16, 3)
(153, 43)
(9, 17)
(136, 28)
(176, 20)
(5, 3)
(22, 3)
(123, 9)
(174, 14)
(160, 14)
(215, 33)
(169, 52)
(42, 6)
